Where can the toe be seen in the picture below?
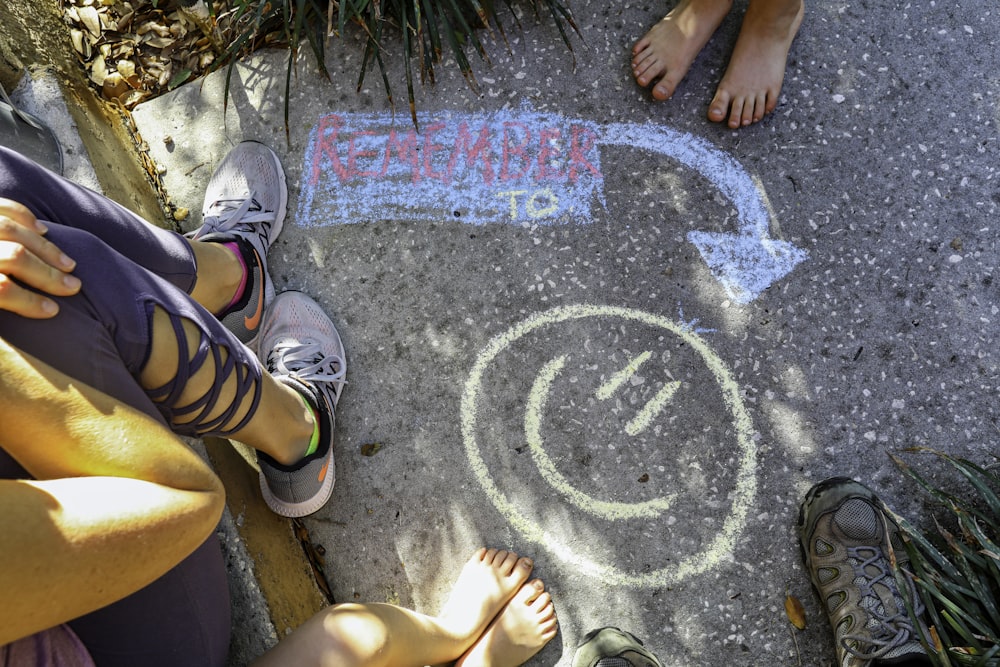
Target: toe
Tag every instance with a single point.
(524, 565)
(771, 103)
(506, 560)
(736, 112)
(541, 601)
(749, 115)
(641, 45)
(664, 89)
(759, 108)
(532, 591)
(717, 109)
(645, 69)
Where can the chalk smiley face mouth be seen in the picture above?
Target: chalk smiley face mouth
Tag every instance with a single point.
(604, 509)
(551, 536)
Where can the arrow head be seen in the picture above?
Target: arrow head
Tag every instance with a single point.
(746, 265)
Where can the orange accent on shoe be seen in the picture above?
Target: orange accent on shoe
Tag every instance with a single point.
(322, 471)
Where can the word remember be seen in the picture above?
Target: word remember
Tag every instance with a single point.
(500, 167)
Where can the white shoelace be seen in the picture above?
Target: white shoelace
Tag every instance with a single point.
(306, 362)
(225, 214)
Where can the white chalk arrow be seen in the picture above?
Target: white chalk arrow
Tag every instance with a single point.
(747, 262)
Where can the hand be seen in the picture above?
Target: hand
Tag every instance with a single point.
(27, 256)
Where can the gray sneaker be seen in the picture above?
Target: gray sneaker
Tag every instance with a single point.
(847, 536)
(245, 203)
(301, 348)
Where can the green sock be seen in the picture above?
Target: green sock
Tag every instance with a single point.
(314, 440)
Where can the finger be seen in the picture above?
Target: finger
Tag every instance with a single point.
(17, 261)
(20, 214)
(13, 229)
(18, 300)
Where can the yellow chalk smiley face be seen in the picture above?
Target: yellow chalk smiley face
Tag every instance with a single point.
(541, 434)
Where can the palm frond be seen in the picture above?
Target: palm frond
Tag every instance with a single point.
(422, 26)
(956, 570)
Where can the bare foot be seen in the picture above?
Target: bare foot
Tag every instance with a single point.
(666, 52)
(487, 582)
(750, 87)
(524, 626)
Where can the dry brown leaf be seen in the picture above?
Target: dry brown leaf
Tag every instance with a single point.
(133, 97)
(126, 68)
(152, 26)
(107, 21)
(795, 611)
(80, 45)
(90, 20)
(114, 86)
(123, 50)
(936, 639)
(146, 44)
(98, 70)
(126, 20)
(371, 448)
(159, 42)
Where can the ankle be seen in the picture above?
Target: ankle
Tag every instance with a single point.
(298, 429)
(219, 275)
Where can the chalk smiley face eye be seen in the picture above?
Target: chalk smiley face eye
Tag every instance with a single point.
(727, 451)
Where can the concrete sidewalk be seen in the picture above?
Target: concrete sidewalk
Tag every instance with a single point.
(617, 337)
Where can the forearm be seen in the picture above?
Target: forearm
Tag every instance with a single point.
(71, 546)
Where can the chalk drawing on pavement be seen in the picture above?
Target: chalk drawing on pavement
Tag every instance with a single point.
(740, 425)
(516, 167)
(497, 167)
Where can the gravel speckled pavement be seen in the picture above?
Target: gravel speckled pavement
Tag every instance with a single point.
(607, 333)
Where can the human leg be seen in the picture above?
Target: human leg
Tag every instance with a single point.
(198, 397)
(377, 635)
(244, 211)
(664, 55)
(55, 199)
(752, 83)
(182, 617)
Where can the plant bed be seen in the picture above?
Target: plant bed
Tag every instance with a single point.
(133, 50)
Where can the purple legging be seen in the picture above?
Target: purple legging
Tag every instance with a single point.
(101, 337)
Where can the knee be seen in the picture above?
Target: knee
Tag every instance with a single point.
(353, 635)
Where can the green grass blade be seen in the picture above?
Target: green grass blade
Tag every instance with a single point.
(381, 64)
(432, 29)
(467, 32)
(978, 478)
(407, 63)
(288, 86)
